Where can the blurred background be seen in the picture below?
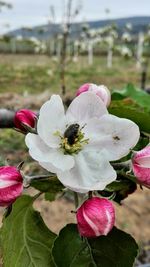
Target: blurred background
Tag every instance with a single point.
(51, 47)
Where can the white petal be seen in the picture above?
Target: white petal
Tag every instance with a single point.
(51, 120)
(42, 153)
(49, 167)
(86, 106)
(37, 148)
(116, 135)
(91, 172)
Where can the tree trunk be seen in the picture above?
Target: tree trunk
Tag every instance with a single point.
(63, 63)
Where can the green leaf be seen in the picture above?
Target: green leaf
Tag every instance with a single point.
(139, 96)
(0, 247)
(143, 142)
(118, 185)
(50, 196)
(52, 185)
(127, 109)
(117, 249)
(26, 240)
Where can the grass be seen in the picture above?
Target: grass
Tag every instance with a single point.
(12, 146)
(37, 73)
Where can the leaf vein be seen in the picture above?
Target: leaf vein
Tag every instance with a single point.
(38, 242)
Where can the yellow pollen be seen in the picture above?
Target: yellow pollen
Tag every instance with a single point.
(74, 148)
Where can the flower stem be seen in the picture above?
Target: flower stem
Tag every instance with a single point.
(122, 165)
(37, 177)
(37, 195)
(90, 194)
(76, 199)
(8, 211)
(131, 177)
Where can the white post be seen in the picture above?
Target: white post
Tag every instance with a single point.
(58, 49)
(75, 48)
(109, 58)
(140, 50)
(52, 46)
(110, 52)
(90, 52)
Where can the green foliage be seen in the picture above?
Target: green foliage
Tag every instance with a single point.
(118, 185)
(126, 187)
(51, 185)
(50, 196)
(129, 110)
(117, 249)
(134, 104)
(139, 96)
(26, 240)
(143, 142)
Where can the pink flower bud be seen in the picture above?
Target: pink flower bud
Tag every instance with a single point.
(11, 185)
(101, 90)
(141, 166)
(24, 117)
(95, 217)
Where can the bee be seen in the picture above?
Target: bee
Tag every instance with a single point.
(71, 133)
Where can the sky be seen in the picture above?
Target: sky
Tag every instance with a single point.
(37, 12)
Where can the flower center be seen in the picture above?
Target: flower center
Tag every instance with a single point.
(73, 139)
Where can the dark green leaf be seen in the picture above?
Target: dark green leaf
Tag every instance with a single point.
(50, 196)
(70, 250)
(26, 240)
(52, 185)
(117, 95)
(144, 141)
(127, 109)
(117, 249)
(118, 185)
(139, 96)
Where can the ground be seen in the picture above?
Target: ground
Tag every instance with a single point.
(28, 81)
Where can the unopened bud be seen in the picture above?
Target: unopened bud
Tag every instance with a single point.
(100, 90)
(141, 166)
(95, 217)
(25, 120)
(11, 185)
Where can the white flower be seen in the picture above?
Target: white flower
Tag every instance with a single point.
(78, 145)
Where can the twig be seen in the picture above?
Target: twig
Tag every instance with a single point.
(76, 200)
(7, 118)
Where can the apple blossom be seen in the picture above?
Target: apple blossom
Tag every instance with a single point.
(11, 185)
(95, 217)
(141, 166)
(78, 145)
(100, 90)
(24, 118)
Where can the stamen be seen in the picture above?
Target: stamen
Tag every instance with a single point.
(76, 147)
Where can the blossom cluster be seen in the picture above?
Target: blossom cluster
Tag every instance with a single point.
(79, 146)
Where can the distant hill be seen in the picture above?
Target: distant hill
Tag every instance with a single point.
(139, 23)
